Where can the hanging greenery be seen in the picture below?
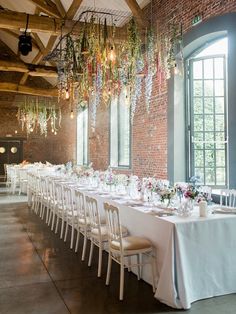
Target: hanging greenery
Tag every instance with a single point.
(150, 66)
(36, 113)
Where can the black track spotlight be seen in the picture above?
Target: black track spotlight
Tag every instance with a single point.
(25, 41)
(25, 44)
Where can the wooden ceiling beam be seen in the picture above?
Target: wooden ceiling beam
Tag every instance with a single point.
(73, 9)
(137, 12)
(15, 21)
(19, 89)
(31, 69)
(48, 7)
(60, 7)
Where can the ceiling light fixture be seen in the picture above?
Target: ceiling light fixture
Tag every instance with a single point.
(25, 41)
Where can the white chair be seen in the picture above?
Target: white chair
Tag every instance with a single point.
(224, 197)
(121, 248)
(23, 180)
(98, 234)
(70, 213)
(59, 207)
(44, 198)
(82, 225)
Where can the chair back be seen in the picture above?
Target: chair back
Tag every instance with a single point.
(80, 205)
(113, 224)
(93, 213)
(68, 199)
(232, 198)
(58, 191)
(224, 197)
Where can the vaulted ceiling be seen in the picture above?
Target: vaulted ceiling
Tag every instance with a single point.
(31, 74)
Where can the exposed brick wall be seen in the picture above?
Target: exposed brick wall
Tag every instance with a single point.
(54, 148)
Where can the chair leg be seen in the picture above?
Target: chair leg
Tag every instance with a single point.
(62, 227)
(67, 224)
(100, 260)
(57, 224)
(139, 262)
(91, 253)
(84, 246)
(72, 235)
(153, 274)
(129, 263)
(77, 240)
(53, 220)
(122, 274)
(109, 269)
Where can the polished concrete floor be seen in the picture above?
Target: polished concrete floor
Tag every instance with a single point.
(40, 274)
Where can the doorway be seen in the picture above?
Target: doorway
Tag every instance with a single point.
(11, 152)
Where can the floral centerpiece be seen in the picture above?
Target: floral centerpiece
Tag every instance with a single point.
(191, 192)
(110, 178)
(167, 193)
(149, 184)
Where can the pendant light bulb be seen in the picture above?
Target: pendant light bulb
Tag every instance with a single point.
(176, 70)
(112, 55)
(72, 114)
(67, 94)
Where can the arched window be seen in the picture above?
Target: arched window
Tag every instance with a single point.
(207, 113)
(120, 145)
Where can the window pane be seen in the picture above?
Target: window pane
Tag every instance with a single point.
(120, 131)
(199, 172)
(114, 133)
(220, 158)
(124, 131)
(220, 123)
(210, 176)
(208, 69)
(198, 122)
(198, 136)
(198, 105)
(220, 136)
(82, 137)
(208, 88)
(198, 145)
(209, 122)
(208, 105)
(219, 88)
(197, 88)
(220, 176)
(209, 158)
(219, 105)
(199, 161)
(219, 68)
(197, 69)
(209, 136)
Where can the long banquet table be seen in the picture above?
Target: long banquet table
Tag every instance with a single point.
(196, 257)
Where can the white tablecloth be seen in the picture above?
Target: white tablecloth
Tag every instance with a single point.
(196, 257)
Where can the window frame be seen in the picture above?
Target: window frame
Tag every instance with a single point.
(119, 165)
(189, 111)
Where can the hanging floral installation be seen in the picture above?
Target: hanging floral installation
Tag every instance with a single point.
(37, 113)
(170, 44)
(151, 54)
(93, 66)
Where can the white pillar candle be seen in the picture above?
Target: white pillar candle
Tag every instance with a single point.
(203, 211)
